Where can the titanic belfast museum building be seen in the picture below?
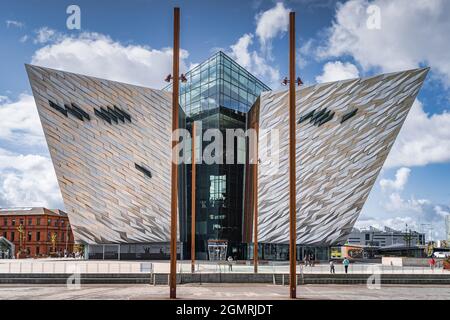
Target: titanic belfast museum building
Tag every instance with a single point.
(110, 145)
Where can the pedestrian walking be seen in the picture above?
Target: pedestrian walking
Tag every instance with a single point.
(332, 270)
(230, 263)
(346, 263)
(432, 263)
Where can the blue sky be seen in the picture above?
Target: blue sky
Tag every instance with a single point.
(130, 41)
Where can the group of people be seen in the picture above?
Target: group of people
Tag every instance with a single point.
(67, 254)
(345, 262)
(309, 259)
(5, 254)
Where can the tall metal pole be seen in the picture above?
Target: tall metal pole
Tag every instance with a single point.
(292, 175)
(194, 171)
(255, 213)
(174, 195)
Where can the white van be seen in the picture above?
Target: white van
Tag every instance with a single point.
(441, 254)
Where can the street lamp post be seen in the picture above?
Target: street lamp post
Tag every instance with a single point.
(174, 181)
(255, 213)
(292, 163)
(193, 198)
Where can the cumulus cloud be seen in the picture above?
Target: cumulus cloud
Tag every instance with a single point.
(28, 180)
(24, 39)
(98, 55)
(401, 178)
(253, 61)
(410, 210)
(423, 139)
(396, 223)
(20, 122)
(334, 71)
(14, 23)
(270, 24)
(45, 34)
(412, 33)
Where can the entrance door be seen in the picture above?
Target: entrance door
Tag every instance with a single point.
(217, 250)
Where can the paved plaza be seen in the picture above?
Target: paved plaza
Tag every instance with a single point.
(121, 266)
(224, 291)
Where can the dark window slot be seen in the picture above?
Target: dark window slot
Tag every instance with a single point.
(81, 111)
(317, 115)
(74, 112)
(349, 115)
(58, 108)
(322, 117)
(117, 114)
(331, 116)
(126, 115)
(101, 115)
(110, 115)
(306, 116)
(143, 170)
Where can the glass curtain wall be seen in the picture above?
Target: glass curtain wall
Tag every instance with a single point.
(217, 95)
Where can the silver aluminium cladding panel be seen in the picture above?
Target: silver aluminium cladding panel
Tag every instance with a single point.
(110, 146)
(344, 133)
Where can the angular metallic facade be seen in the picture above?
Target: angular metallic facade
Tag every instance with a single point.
(110, 146)
(344, 132)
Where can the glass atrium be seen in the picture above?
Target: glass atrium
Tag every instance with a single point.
(217, 94)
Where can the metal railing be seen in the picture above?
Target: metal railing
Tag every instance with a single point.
(69, 267)
(283, 268)
(184, 267)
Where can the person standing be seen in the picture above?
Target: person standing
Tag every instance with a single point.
(332, 270)
(432, 263)
(306, 259)
(230, 263)
(346, 263)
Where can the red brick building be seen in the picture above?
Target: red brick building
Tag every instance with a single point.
(39, 228)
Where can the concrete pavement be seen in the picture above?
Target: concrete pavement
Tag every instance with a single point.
(224, 291)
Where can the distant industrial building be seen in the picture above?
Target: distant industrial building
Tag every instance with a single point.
(387, 237)
(35, 232)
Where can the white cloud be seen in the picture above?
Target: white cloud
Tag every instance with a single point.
(253, 61)
(412, 33)
(419, 214)
(417, 211)
(24, 39)
(27, 180)
(270, 24)
(423, 139)
(20, 122)
(98, 55)
(334, 71)
(14, 23)
(45, 34)
(396, 223)
(401, 178)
